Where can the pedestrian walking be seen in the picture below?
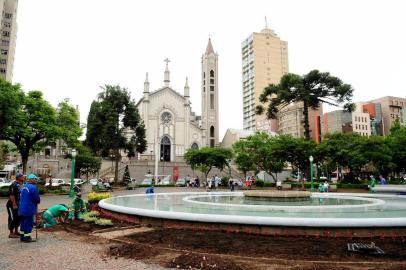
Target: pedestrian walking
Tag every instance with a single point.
(12, 205)
(382, 180)
(29, 200)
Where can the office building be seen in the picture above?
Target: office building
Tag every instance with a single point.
(8, 10)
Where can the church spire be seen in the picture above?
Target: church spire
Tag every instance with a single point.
(146, 84)
(209, 48)
(186, 89)
(166, 75)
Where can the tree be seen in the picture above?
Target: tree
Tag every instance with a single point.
(207, 158)
(33, 122)
(113, 124)
(312, 90)
(243, 157)
(126, 175)
(85, 163)
(397, 143)
(259, 150)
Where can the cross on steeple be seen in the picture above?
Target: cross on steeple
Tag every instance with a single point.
(166, 76)
(167, 61)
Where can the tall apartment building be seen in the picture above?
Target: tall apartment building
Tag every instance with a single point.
(8, 10)
(264, 61)
(391, 108)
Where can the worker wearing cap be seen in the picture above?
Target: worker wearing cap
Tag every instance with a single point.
(12, 205)
(78, 206)
(29, 200)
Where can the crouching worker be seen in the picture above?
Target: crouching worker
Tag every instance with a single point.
(78, 206)
(29, 199)
(50, 216)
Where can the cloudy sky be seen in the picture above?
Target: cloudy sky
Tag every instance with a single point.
(69, 48)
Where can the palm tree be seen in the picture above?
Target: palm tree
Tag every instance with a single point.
(311, 89)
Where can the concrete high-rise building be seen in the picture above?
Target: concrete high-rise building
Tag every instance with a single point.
(391, 108)
(264, 61)
(8, 10)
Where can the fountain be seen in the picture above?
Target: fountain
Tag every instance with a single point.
(294, 212)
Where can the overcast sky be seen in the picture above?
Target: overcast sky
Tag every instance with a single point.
(68, 48)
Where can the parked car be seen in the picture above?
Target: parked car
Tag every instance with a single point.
(181, 182)
(146, 181)
(56, 183)
(167, 180)
(4, 182)
(94, 181)
(78, 181)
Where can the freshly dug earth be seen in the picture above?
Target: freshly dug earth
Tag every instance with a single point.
(195, 261)
(243, 251)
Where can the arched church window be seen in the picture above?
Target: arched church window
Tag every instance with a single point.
(211, 131)
(194, 146)
(165, 140)
(211, 73)
(166, 117)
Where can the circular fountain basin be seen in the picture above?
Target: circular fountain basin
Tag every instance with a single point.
(277, 195)
(343, 210)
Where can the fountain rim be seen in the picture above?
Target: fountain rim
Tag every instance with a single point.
(293, 208)
(258, 220)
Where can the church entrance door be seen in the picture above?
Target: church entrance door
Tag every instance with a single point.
(165, 149)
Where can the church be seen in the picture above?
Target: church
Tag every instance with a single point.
(171, 125)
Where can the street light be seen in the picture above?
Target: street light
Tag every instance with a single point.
(311, 173)
(72, 176)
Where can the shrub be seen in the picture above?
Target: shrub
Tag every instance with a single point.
(259, 183)
(89, 219)
(104, 222)
(224, 181)
(94, 197)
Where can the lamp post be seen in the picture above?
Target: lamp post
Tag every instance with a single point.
(72, 176)
(311, 173)
(151, 154)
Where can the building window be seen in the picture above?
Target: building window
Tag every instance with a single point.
(211, 131)
(211, 88)
(7, 24)
(3, 52)
(8, 15)
(212, 81)
(212, 101)
(3, 61)
(2, 70)
(211, 73)
(5, 42)
(6, 33)
(194, 146)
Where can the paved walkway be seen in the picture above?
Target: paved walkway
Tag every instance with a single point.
(59, 250)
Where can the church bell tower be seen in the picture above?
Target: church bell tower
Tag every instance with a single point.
(210, 108)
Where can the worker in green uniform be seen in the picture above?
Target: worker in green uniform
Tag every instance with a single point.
(78, 206)
(58, 211)
(372, 183)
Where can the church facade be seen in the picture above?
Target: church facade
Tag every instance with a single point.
(171, 125)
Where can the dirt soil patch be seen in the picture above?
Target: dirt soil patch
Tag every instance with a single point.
(218, 250)
(79, 226)
(196, 261)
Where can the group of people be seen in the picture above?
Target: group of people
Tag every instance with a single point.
(324, 187)
(192, 182)
(213, 182)
(22, 208)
